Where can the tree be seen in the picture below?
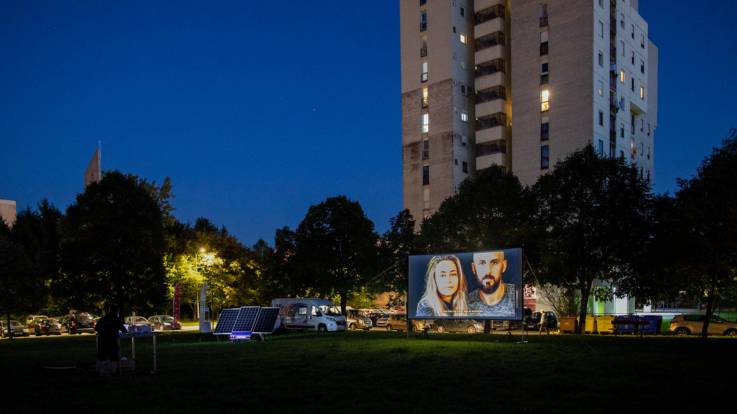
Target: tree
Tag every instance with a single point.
(708, 218)
(489, 211)
(334, 249)
(18, 281)
(37, 232)
(396, 245)
(593, 214)
(112, 246)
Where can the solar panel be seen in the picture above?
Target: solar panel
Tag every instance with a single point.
(266, 320)
(226, 321)
(246, 318)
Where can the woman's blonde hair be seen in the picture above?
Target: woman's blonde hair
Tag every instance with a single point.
(431, 297)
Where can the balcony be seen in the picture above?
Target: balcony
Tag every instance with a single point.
(491, 121)
(489, 54)
(488, 27)
(490, 94)
(482, 5)
(489, 81)
(491, 134)
(486, 161)
(489, 108)
(489, 40)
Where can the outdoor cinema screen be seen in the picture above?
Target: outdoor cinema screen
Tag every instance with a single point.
(480, 285)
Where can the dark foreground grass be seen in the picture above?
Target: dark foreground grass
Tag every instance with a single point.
(380, 372)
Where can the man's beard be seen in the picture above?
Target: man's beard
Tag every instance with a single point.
(489, 285)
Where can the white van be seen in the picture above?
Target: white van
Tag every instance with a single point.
(315, 314)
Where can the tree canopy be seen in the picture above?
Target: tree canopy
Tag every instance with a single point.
(112, 246)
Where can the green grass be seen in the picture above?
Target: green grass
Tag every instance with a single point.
(380, 372)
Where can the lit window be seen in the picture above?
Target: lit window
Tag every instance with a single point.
(621, 76)
(425, 123)
(463, 38)
(544, 100)
(642, 92)
(601, 88)
(464, 115)
(423, 77)
(543, 36)
(425, 97)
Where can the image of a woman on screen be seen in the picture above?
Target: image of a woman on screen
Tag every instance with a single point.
(445, 288)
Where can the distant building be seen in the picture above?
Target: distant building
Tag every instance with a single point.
(8, 211)
(520, 84)
(93, 173)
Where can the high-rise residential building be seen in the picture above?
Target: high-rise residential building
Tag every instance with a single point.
(520, 84)
(8, 212)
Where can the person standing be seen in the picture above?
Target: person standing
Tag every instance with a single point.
(108, 352)
(544, 322)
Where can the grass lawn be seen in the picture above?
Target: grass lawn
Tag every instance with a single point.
(379, 372)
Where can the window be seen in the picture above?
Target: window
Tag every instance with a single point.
(425, 123)
(543, 15)
(544, 79)
(633, 32)
(423, 77)
(601, 88)
(621, 21)
(642, 66)
(632, 58)
(601, 118)
(544, 131)
(425, 175)
(623, 48)
(601, 3)
(621, 153)
(544, 157)
(621, 76)
(425, 149)
(454, 29)
(464, 115)
(544, 100)
(601, 29)
(601, 58)
(543, 48)
(465, 167)
(544, 36)
(463, 64)
(544, 67)
(423, 21)
(600, 148)
(455, 161)
(463, 38)
(463, 90)
(621, 130)
(464, 140)
(423, 48)
(463, 11)
(422, 2)
(425, 97)
(632, 84)
(642, 92)
(642, 41)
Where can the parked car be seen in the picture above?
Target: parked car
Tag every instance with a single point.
(164, 323)
(533, 322)
(80, 322)
(309, 313)
(15, 327)
(692, 324)
(379, 318)
(31, 321)
(358, 320)
(398, 322)
(457, 325)
(137, 321)
(47, 326)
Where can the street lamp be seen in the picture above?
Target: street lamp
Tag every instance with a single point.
(203, 311)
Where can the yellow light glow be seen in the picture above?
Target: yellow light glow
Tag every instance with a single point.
(642, 92)
(621, 76)
(463, 39)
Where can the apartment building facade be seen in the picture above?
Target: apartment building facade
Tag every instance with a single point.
(520, 84)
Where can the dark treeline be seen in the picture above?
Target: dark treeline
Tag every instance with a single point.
(591, 219)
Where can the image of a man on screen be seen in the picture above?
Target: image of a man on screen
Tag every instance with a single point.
(493, 298)
(445, 288)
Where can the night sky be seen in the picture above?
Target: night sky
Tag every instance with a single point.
(257, 112)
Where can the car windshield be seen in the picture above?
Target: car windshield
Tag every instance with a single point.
(330, 310)
(167, 319)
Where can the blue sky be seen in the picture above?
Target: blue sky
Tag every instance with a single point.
(256, 113)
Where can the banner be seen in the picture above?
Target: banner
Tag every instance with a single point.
(475, 285)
